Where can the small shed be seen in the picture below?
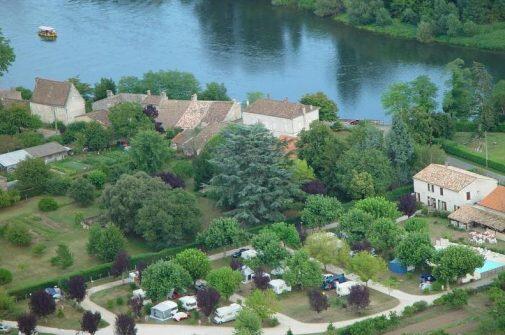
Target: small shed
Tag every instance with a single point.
(164, 310)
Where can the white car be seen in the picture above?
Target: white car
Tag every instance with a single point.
(4, 329)
(180, 316)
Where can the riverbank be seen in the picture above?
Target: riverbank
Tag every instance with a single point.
(489, 37)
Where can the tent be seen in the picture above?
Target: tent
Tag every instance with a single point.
(397, 267)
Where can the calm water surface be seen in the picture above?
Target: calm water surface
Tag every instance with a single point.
(247, 44)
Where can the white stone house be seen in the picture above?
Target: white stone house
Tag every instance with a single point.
(447, 188)
(281, 117)
(56, 101)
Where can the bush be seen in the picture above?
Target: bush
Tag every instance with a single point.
(455, 299)
(420, 305)
(39, 249)
(119, 301)
(57, 185)
(6, 302)
(469, 29)
(48, 205)
(5, 276)
(18, 234)
(82, 191)
(63, 258)
(183, 169)
(97, 178)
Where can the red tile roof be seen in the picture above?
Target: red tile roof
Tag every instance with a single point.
(495, 200)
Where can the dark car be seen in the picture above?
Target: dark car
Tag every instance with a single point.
(238, 253)
(427, 278)
(330, 280)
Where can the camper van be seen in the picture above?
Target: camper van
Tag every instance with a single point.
(344, 288)
(188, 302)
(279, 286)
(227, 313)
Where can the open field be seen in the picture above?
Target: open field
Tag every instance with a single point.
(495, 142)
(49, 229)
(296, 305)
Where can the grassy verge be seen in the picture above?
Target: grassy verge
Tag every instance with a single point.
(476, 145)
(489, 37)
(296, 305)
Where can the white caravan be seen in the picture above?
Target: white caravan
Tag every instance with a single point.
(164, 310)
(188, 302)
(227, 313)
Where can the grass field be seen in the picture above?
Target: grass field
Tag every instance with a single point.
(296, 305)
(114, 299)
(495, 143)
(49, 229)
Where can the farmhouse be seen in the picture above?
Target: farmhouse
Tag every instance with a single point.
(56, 101)
(447, 188)
(489, 213)
(281, 117)
(10, 97)
(49, 152)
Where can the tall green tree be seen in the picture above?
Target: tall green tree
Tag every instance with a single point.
(415, 249)
(355, 224)
(97, 137)
(425, 155)
(414, 102)
(17, 118)
(222, 232)
(149, 151)
(458, 100)
(270, 250)
(328, 110)
(324, 248)
(160, 278)
(302, 272)
(367, 267)
(366, 136)
(400, 149)
(483, 90)
(378, 207)
(384, 235)
(195, 262)
(455, 262)
(253, 181)
(127, 118)
(215, 92)
(225, 280)
(32, 174)
(321, 210)
(101, 88)
(7, 55)
(105, 243)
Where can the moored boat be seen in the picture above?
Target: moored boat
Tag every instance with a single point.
(48, 33)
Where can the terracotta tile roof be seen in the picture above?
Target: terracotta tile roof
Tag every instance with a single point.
(206, 134)
(448, 177)
(51, 92)
(183, 137)
(495, 200)
(46, 149)
(117, 99)
(474, 214)
(282, 109)
(193, 115)
(150, 99)
(192, 141)
(217, 111)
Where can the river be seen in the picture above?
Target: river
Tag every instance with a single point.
(247, 44)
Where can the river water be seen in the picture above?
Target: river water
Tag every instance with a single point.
(247, 44)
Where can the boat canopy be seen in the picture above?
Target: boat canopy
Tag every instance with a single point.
(46, 28)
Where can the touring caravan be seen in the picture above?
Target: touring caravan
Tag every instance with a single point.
(164, 310)
(344, 288)
(227, 313)
(188, 302)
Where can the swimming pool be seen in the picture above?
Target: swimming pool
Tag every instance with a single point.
(489, 265)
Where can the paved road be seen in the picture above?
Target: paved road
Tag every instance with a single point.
(451, 160)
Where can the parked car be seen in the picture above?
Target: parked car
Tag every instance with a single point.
(330, 280)
(239, 252)
(425, 277)
(279, 286)
(180, 316)
(344, 288)
(188, 302)
(4, 328)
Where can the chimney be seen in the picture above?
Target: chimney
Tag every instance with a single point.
(303, 110)
(148, 92)
(109, 93)
(163, 95)
(194, 97)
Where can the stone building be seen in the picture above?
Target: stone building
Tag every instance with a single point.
(56, 101)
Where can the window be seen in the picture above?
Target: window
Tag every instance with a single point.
(456, 207)
(432, 188)
(418, 197)
(429, 187)
(444, 206)
(468, 197)
(441, 191)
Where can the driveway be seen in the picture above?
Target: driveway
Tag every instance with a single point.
(462, 164)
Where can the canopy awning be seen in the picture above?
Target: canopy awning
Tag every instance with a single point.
(46, 28)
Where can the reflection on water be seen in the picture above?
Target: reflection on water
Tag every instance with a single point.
(247, 44)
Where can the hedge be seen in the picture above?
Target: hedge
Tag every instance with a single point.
(462, 152)
(99, 271)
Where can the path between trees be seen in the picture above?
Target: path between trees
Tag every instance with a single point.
(285, 322)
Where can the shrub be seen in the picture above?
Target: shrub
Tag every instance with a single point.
(462, 152)
(425, 32)
(57, 185)
(183, 169)
(420, 305)
(97, 178)
(48, 205)
(39, 249)
(172, 180)
(6, 302)
(119, 301)
(455, 299)
(63, 258)
(18, 234)
(416, 225)
(82, 191)
(5, 276)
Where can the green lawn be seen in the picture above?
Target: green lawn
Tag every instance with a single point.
(114, 299)
(495, 144)
(296, 305)
(49, 229)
